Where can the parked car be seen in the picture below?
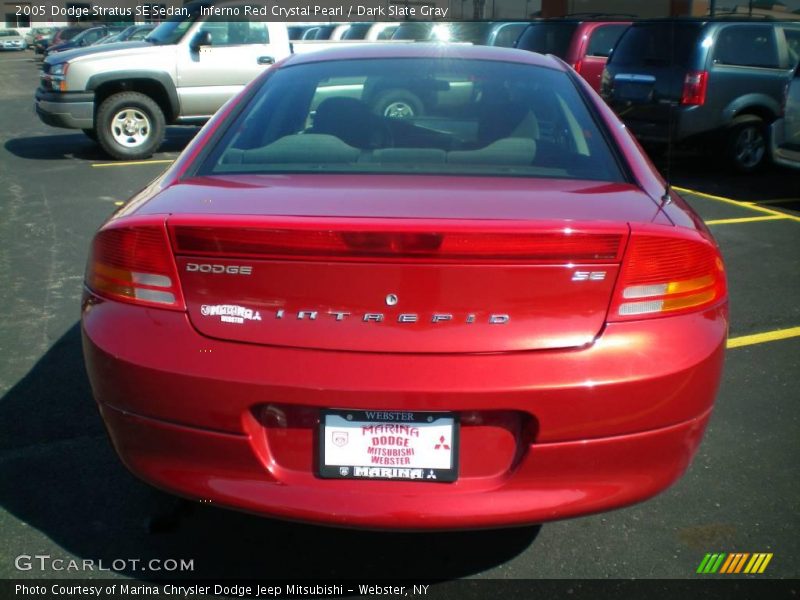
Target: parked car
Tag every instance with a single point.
(380, 32)
(123, 95)
(584, 44)
(132, 33)
(42, 40)
(484, 33)
(480, 317)
(86, 37)
(714, 84)
(786, 130)
(413, 31)
(505, 34)
(10, 39)
(318, 32)
(34, 32)
(352, 31)
(63, 34)
(296, 31)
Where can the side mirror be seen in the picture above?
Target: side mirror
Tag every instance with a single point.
(203, 38)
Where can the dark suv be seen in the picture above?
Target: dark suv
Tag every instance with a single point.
(709, 83)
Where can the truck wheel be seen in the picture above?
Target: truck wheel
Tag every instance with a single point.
(130, 126)
(90, 133)
(747, 144)
(397, 104)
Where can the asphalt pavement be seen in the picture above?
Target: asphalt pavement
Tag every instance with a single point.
(64, 493)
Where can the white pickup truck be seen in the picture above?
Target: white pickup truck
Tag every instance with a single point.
(123, 95)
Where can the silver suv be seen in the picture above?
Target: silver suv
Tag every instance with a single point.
(123, 95)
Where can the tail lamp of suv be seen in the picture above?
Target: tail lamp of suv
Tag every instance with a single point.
(695, 85)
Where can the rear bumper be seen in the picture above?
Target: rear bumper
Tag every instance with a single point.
(553, 481)
(71, 110)
(544, 435)
(685, 123)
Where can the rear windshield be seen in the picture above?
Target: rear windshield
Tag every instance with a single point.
(417, 115)
(547, 38)
(656, 45)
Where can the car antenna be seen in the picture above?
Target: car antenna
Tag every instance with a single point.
(666, 198)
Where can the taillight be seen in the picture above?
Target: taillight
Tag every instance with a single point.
(559, 246)
(663, 275)
(578, 66)
(694, 88)
(134, 264)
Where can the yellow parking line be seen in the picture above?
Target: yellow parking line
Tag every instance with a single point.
(760, 338)
(779, 201)
(743, 204)
(133, 163)
(745, 220)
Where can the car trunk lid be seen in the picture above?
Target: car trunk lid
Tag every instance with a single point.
(399, 263)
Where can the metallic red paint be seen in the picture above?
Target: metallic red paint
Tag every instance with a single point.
(546, 433)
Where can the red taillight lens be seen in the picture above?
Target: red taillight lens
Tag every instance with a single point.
(578, 66)
(343, 245)
(667, 275)
(694, 88)
(134, 264)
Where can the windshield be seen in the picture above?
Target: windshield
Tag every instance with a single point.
(84, 34)
(417, 116)
(173, 29)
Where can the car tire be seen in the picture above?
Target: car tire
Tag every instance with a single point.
(397, 104)
(129, 126)
(90, 133)
(747, 144)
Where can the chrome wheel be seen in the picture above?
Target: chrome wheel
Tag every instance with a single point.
(130, 127)
(749, 147)
(398, 110)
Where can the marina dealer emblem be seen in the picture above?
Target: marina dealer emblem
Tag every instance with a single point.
(339, 438)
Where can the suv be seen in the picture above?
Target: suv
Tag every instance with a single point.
(786, 131)
(702, 82)
(585, 45)
(123, 95)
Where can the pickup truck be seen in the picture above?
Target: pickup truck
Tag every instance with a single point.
(123, 95)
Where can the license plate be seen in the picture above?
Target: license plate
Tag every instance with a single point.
(405, 445)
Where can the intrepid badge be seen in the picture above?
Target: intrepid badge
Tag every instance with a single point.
(230, 313)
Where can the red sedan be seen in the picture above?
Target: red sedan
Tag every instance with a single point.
(408, 286)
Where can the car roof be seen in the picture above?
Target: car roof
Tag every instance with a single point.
(425, 50)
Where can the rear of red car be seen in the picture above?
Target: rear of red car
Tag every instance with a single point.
(368, 346)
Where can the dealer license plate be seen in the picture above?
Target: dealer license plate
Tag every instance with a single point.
(406, 445)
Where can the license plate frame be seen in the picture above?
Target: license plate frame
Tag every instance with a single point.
(441, 467)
